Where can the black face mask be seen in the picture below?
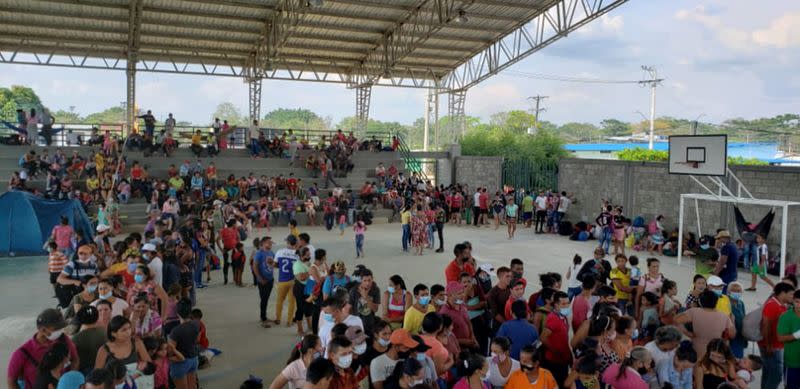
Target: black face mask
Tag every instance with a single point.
(641, 371)
(404, 354)
(525, 367)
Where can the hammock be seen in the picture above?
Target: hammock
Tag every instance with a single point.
(21, 130)
(748, 231)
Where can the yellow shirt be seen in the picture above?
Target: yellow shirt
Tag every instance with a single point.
(625, 280)
(222, 194)
(294, 231)
(92, 184)
(196, 139)
(724, 305)
(405, 216)
(519, 380)
(412, 322)
(176, 182)
(99, 161)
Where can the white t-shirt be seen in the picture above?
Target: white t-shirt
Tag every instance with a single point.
(117, 307)
(325, 328)
(657, 354)
(254, 131)
(382, 367)
(573, 281)
(476, 199)
(295, 373)
(495, 378)
(563, 206)
(541, 203)
(157, 268)
(763, 251)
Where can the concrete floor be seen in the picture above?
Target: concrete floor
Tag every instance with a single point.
(231, 313)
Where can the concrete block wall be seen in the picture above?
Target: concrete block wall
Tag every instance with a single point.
(648, 189)
(479, 171)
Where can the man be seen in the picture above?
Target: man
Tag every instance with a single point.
(341, 354)
(517, 270)
(149, 123)
(335, 310)
(455, 308)
(517, 294)
(527, 210)
(254, 133)
(304, 240)
(789, 334)
(227, 239)
(69, 281)
(285, 258)
(597, 267)
(366, 300)
(263, 267)
(716, 285)
(24, 362)
(383, 366)
(603, 222)
(770, 347)
(476, 206)
(458, 265)
(319, 374)
(484, 207)
(541, 212)
(432, 326)
(498, 295)
(728, 258)
(169, 124)
(705, 258)
(412, 321)
(563, 206)
(91, 337)
(519, 330)
(154, 262)
(555, 338)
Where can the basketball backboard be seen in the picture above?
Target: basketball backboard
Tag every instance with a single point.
(700, 155)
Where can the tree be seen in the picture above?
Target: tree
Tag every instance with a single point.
(18, 97)
(614, 127)
(110, 115)
(228, 111)
(298, 118)
(488, 140)
(62, 116)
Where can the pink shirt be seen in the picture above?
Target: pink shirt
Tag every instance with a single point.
(62, 235)
(464, 384)
(631, 379)
(461, 323)
(21, 367)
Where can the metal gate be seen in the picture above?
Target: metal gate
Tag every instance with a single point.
(530, 174)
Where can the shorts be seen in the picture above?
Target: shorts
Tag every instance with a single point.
(758, 270)
(484, 211)
(527, 216)
(455, 209)
(237, 265)
(178, 370)
(54, 277)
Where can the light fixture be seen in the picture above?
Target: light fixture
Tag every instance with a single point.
(314, 3)
(462, 17)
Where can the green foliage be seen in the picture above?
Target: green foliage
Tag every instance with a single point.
(642, 154)
(487, 140)
(110, 115)
(228, 111)
(298, 119)
(18, 97)
(746, 161)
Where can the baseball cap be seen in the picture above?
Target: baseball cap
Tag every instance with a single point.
(715, 281)
(291, 240)
(402, 337)
(355, 334)
(51, 318)
(149, 247)
(487, 267)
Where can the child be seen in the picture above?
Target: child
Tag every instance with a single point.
(636, 275)
(311, 212)
(55, 262)
(573, 283)
(359, 228)
(293, 228)
(161, 353)
(174, 293)
(252, 383)
(668, 305)
(263, 217)
(205, 355)
(342, 220)
(747, 366)
(237, 261)
(584, 375)
(649, 314)
(256, 245)
(758, 269)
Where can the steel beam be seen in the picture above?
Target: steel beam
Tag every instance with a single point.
(455, 112)
(560, 19)
(132, 52)
(363, 96)
(254, 88)
(278, 27)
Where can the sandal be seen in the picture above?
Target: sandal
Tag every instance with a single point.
(750, 289)
(265, 324)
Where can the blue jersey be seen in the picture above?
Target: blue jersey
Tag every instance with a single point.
(264, 269)
(285, 259)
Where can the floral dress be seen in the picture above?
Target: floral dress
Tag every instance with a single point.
(419, 231)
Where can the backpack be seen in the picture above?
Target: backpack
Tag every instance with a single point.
(652, 228)
(638, 221)
(751, 325)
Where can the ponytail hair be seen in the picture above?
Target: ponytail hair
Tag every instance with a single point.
(470, 363)
(309, 342)
(638, 354)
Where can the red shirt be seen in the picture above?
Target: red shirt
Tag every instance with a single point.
(291, 182)
(456, 201)
(580, 310)
(229, 237)
(507, 312)
(461, 323)
(773, 310)
(20, 366)
(136, 173)
(202, 339)
(452, 271)
(483, 199)
(558, 342)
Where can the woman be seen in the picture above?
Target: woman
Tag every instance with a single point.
(144, 283)
(626, 334)
(650, 282)
(678, 371)
(739, 342)
(122, 346)
(632, 372)
(84, 298)
(501, 365)
(406, 375)
(473, 370)
(379, 342)
(396, 301)
(621, 279)
(145, 321)
(707, 322)
(531, 375)
(716, 365)
(51, 366)
(497, 209)
(419, 230)
(604, 330)
(294, 374)
(301, 273)
(656, 231)
(105, 292)
(698, 286)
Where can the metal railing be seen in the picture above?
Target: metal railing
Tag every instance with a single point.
(411, 162)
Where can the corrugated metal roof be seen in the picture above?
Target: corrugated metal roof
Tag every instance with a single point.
(219, 32)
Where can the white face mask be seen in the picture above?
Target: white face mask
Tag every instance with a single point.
(360, 349)
(55, 335)
(417, 382)
(345, 361)
(384, 342)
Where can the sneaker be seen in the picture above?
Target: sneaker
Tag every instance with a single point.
(265, 324)
(440, 250)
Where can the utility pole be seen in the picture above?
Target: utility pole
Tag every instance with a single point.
(537, 99)
(653, 82)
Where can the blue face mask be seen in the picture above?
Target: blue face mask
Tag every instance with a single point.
(327, 317)
(635, 334)
(105, 296)
(139, 278)
(91, 288)
(421, 357)
(704, 246)
(565, 311)
(132, 267)
(717, 292)
(735, 295)
(424, 300)
(390, 289)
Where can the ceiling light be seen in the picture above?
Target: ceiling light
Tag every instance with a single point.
(314, 3)
(462, 17)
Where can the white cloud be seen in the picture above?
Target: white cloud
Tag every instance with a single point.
(486, 99)
(606, 25)
(782, 33)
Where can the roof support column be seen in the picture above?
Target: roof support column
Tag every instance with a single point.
(254, 86)
(363, 96)
(130, 97)
(431, 119)
(455, 112)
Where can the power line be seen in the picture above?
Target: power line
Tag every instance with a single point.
(583, 80)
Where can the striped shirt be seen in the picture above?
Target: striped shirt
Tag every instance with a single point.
(56, 262)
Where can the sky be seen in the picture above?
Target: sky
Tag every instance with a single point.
(720, 59)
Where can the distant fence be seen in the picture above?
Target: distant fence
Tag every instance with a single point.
(530, 174)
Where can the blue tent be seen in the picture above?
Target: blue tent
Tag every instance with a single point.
(26, 221)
